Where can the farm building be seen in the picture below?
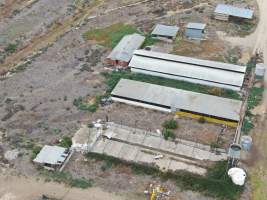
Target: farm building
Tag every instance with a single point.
(224, 12)
(164, 32)
(211, 73)
(185, 103)
(52, 157)
(123, 52)
(195, 30)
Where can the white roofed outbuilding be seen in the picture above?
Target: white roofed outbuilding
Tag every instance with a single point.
(223, 12)
(164, 98)
(205, 72)
(52, 156)
(165, 31)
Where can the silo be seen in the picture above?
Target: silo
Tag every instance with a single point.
(246, 142)
(260, 69)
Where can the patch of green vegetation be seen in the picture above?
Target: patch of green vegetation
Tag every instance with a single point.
(65, 142)
(215, 184)
(81, 105)
(11, 48)
(168, 133)
(255, 97)
(67, 179)
(247, 125)
(170, 124)
(111, 35)
(114, 77)
(35, 151)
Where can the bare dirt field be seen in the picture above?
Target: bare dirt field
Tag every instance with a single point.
(36, 103)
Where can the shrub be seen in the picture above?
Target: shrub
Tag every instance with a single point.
(11, 48)
(201, 120)
(66, 142)
(170, 124)
(167, 133)
(216, 91)
(36, 150)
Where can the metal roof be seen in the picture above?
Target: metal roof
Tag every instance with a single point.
(199, 26)
(189, 69)
(50, 155)
(125, 48)
(234, 11)
(181, 99)
(164, 30)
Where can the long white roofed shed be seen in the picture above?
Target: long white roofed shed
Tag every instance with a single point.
(193, 70)
(165, 98)
(223, 12)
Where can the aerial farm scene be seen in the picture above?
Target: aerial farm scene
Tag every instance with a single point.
(133, 100)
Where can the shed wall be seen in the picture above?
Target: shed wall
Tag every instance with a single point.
(194, 33)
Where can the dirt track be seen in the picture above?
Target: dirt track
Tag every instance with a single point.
(15, 188)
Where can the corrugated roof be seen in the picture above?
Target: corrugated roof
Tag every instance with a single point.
(199, 26)
(125, 48)
(234, 11)
(181, 99)
(189, 69)
(164, 30)
(50, 155)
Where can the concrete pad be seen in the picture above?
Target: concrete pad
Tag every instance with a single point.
(168, 146)
(152, 141)
(121, 134)
(136, 138)
(144, 157)
(99, 146)
(113, 148)
(128, 152)
(201, 154)
(184, 150)
(163, 163)
(176, 166)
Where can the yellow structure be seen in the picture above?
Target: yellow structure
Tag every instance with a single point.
(208, 119)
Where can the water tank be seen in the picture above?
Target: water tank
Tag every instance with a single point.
(246, 142)
(260, 69)
(234, 151)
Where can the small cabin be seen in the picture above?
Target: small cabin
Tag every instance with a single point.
(195, 30)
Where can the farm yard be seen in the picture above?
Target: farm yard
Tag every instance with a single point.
(54, 78)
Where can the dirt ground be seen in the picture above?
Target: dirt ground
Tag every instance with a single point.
(36, 104)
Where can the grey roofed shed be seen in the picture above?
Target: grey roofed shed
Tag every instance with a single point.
(193, 70)
(53, 155)
(234, 11)
(165, 30)
(125, 48)
(136, 93)
(195, 30)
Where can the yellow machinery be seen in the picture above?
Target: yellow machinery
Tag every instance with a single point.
(157, 192)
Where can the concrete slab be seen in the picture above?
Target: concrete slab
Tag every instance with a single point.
(163, 163)
(113, 148)
(129, 152)
(144, 157)
(176, 166)
(184, 150)
(121, 134)
(99, 146)
(136, 138)
(152, 141)
(168, 146)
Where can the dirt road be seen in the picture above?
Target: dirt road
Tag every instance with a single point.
(20, 188)
(257, 43)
